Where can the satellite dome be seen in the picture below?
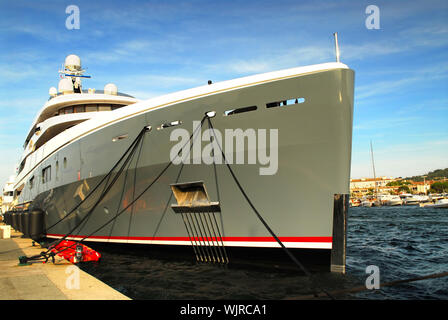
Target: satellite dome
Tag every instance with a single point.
(53, 91)
(65, 86)
(73, 63)
(111, 88)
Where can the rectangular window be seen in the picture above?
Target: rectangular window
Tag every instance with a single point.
(285, 102)
(79, 109)
(22, 165)
(169, 124)
(273, 104)
(31, 182)
(46, 174)
(69, 110)
(240, 110)
(104, 107)
(91, 108)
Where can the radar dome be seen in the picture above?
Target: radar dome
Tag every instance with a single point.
(73, 63)
(65, 86)
(53, 91)
(110, 88)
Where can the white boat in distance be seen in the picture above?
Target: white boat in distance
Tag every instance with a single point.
(389, 200)
(410, 199)
(366, 203)
(8, 195)
(441, 203)
(394, 200)
(370, 201)
(79, 135)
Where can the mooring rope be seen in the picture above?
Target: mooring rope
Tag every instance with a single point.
(141, 142)
(134, 200)
(108, 188)
(49, 253)
(194, 136)
(225, 256)
(133, 190)
(107, 176)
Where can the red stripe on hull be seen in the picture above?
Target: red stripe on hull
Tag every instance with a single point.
(250, 239)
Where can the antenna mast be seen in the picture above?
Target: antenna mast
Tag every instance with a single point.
(336, 46)
(373, 165)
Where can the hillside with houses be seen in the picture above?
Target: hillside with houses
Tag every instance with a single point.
(433, 182)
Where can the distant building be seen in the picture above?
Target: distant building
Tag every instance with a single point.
(370, 183)
(420, 187)
(364, 186)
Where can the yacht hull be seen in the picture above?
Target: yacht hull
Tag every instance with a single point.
(296, 201)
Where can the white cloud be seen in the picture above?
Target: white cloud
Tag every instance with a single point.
(275, 60)
(13, 73)
(386, 122)
(408, 77)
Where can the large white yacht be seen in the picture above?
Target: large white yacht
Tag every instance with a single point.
(80, 134)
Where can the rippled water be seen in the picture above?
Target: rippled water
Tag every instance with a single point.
(403, 242)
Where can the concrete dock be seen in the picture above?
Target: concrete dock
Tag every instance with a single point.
(46, 281)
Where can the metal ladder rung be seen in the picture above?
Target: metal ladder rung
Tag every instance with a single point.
(197, 211)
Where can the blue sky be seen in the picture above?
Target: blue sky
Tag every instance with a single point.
(150, 48)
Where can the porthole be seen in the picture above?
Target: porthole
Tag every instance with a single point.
(287, 102)
(169, 124)
(239, 110)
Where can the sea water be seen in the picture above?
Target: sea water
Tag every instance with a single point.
(400, 242)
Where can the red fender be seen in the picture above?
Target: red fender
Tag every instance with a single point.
(67, 250)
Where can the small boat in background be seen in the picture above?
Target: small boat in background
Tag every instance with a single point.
(355, 202)
(367, 203)
(435, 196)
(370, 201)
(442, 203)
(410, 199)
(423, 198)
(384, 198)
(394, 201)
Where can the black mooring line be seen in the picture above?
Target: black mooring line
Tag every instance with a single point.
(104, 193)
(107, 176)
(138, 197)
